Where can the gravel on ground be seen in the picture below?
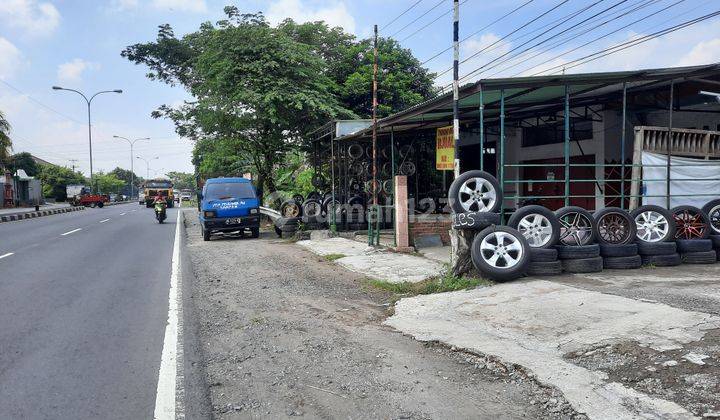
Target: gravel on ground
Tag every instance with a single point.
(286, 333)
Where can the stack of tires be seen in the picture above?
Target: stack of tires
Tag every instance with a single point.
(576, 248)
(499, 253)
(712, 210)
(692, 233)
(286, 227)
(656, 236)
(616, 237)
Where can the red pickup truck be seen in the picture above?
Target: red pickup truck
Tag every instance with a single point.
(90, 200)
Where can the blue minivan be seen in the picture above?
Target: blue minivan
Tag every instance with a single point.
(229, 205)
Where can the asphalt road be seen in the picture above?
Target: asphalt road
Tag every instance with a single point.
(83, 313)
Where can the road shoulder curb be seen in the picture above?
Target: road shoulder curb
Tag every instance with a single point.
(41, 213)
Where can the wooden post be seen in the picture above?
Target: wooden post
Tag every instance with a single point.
(636, 169)
(402, 224)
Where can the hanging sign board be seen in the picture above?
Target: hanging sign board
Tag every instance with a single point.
(444, 149)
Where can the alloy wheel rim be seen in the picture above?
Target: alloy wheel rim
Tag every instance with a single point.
(480, 197)
(501, 250)
(613, 228)
(714, 215)
(651, 226)
(690, 225)
(575, 229)
(536, 228)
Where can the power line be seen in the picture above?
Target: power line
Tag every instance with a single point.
(39, 103)
(417, 18)
(547, 31)
(631, 43)
(401, 14)
(521, 27)
(572, 35)
(479, 30)
(430, 23)
(591, 41)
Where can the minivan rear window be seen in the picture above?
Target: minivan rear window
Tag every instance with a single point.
(224, 191)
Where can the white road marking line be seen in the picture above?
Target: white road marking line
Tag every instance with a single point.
(72, 231)
(133, 210)
(6, 255)
(123, 214)
(103, 221)
(165, 403)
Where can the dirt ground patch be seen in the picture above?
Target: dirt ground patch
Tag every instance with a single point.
(689, 376)
(286, 333)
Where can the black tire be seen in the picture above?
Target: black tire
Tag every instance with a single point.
(93, 204)
(578, 252)
(533, 222)
(543, 254)
(487, 194)
(577, 226)
(298, 198)
(691, 222)
(312, 208)
(544, 268)
(704, 257)
(288, 235)
(624, 250)
(100, 204)
(510, 263)
(622, 263)
(693, 245)
(254, 232)
(474, 220)
(313, 195)
(614, 226)
(668, 260)
(715, 241)
(712, 210)
(583, 265)
(278, 231)
(656, 248)
(289, 228)
(318, 181)
(291, 208)
(355, 151)
(646, 221)
(205, 234)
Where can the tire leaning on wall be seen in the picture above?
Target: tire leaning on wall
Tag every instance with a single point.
(500, 253)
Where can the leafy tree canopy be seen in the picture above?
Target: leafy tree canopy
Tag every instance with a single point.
(126, 176)
(5, 142)
(25, 161)
(259, 90)
(56, 178)
(108, 183)
(182, 180)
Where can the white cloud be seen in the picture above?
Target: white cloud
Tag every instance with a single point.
(72, 70)
(181, 5)
(705, 52)
(335, 13)
(39, 18)
(122, 5)
(10, 58)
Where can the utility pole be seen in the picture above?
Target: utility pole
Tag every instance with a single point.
(374, 137)
(132, 161)
(73, 161)
(456, 83)
(89, 102)
(147, 163)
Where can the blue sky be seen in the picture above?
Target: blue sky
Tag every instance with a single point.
(77, 44)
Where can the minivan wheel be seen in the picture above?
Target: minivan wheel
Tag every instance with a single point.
(205, 234)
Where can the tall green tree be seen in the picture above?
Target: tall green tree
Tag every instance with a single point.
(108, 183)
(182, 180)
(5, 142)
(25, 161)
(55, 179)
(254, 86)
(126, 176)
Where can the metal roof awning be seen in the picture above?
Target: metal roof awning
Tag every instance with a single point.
(534, 94)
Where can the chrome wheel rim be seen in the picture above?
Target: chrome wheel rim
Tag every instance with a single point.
(501, 250)
(477, 194)
(575, 229)
(536, 228)
(714, 215)
(651, 226)
(613, 228)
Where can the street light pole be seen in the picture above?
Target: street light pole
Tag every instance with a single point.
(147, 163)
(89, 101)
(132, 161)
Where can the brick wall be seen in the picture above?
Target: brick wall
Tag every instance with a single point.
(431, 224)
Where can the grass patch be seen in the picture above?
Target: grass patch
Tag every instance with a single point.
(444, 283)
(333, 257)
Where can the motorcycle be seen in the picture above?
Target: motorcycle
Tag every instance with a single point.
(160, 213)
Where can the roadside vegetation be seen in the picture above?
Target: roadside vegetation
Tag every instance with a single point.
(444, 283)
(260, 90)
(333, 257)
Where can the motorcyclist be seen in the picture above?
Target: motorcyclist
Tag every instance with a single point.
(159, 198)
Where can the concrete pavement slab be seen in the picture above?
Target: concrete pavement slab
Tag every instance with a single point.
(376, 263)
(537, 324)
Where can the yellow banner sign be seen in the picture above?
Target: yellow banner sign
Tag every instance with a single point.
(444, 149)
